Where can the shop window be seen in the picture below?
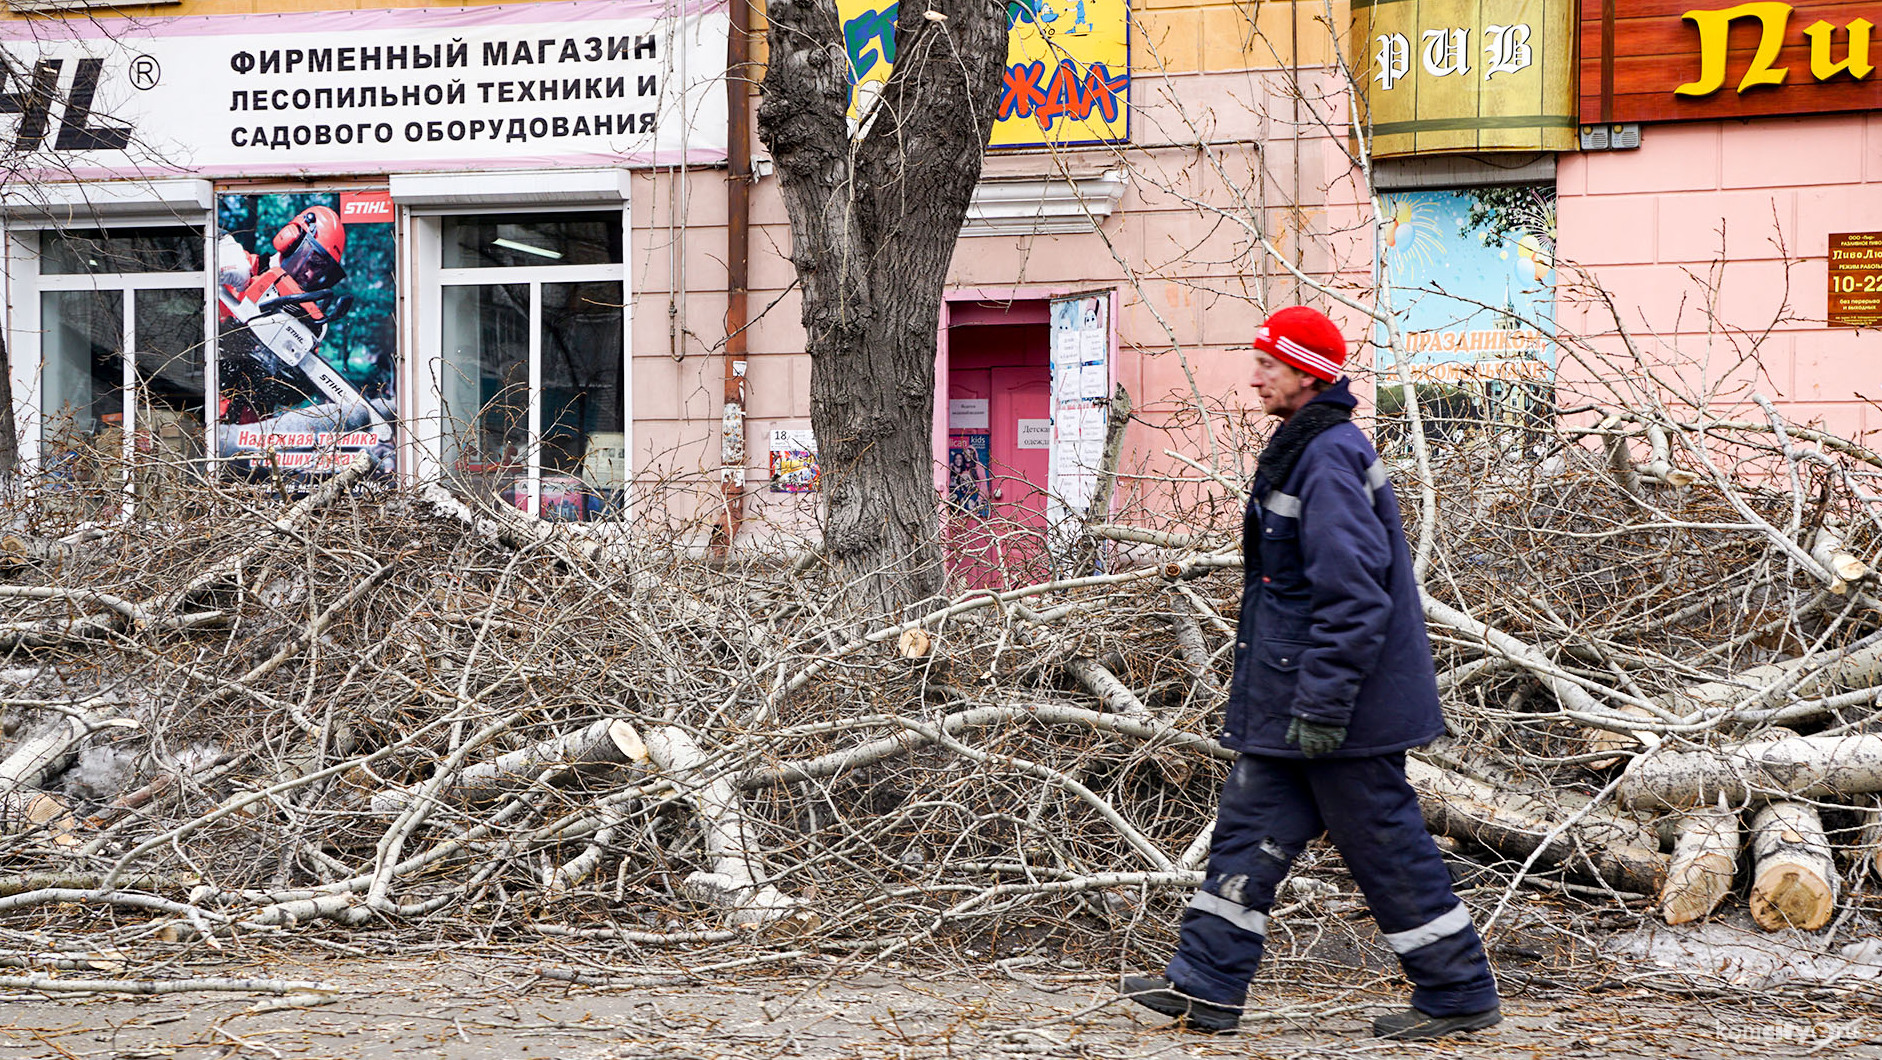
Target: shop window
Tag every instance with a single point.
(532, 338)
(107, 420)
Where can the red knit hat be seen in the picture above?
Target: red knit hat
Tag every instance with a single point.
(1305, 339)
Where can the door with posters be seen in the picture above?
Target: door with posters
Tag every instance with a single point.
(999, 437)
(306, 355)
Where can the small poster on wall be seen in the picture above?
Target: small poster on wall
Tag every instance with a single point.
(969, 456)
(307, 347)
(793, 461)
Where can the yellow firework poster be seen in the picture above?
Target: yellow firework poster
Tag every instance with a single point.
(1067, 77)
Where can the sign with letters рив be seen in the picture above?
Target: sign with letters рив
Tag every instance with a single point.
(1465, 75)
(608, 82)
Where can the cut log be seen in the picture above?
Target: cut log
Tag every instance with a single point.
(1794, 881)
(1827, 549)
(1604, 846)
(1705, 855)
(25, 811)
(732, 882)
(1795, 767)
(609, 742)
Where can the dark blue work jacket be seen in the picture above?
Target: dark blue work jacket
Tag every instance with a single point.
(1331, 627)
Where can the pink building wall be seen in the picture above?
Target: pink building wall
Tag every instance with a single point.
(1712, 240)
(1214, 153)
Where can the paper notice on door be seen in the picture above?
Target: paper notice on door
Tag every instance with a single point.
(1093, 346)
(1067, 385)
(1091, 453)
(1091, 422)
(1065, 348)
(1034, 434)
(1094, 381)
(967, 414)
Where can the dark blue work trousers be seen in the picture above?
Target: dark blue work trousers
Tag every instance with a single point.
(1271, 808)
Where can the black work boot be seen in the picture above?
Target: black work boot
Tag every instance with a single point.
(1158, 995)
(1411, 1023)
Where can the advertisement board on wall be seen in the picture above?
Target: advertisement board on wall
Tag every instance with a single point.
(610, 82)
(1856, 279)
(1656, 60)
(306, 355)
(1067, 78)
(1439, 75)
(1472, 273)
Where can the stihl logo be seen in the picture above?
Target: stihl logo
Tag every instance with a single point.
(371, 206)
(35, 98)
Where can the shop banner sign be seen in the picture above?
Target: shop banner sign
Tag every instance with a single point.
(1472, 275)
(1654, 60)
(1067, 78)
(1466, 75)
(306, 354)
(1081, 393)
(609, 82)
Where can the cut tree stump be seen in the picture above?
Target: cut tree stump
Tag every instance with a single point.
(1705, 857)
(1794, 881)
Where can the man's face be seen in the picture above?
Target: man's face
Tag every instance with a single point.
(1282, 387)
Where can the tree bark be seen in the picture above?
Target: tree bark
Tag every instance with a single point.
(875, 215)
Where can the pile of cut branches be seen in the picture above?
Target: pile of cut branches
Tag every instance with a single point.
(372, 714)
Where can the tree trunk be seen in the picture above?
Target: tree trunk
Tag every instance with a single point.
(1806, 767)
(608, 742)
(1704, 858)
(1794, 879)
(1602, 845)
(874, 219)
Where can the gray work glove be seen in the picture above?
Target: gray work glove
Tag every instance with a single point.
(1314, 738)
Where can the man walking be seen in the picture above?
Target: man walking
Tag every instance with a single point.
(1333, 682)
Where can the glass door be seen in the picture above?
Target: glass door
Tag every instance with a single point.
(532, 323)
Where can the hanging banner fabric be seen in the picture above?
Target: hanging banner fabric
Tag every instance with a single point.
(1067, 77)
(306, 358)
(1466, 75)
(609, 82)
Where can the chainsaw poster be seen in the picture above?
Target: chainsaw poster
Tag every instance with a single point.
(306, 355)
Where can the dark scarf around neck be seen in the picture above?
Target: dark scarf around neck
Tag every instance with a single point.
(1290, 440)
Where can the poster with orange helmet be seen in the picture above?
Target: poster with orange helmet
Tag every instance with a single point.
(306, 365)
